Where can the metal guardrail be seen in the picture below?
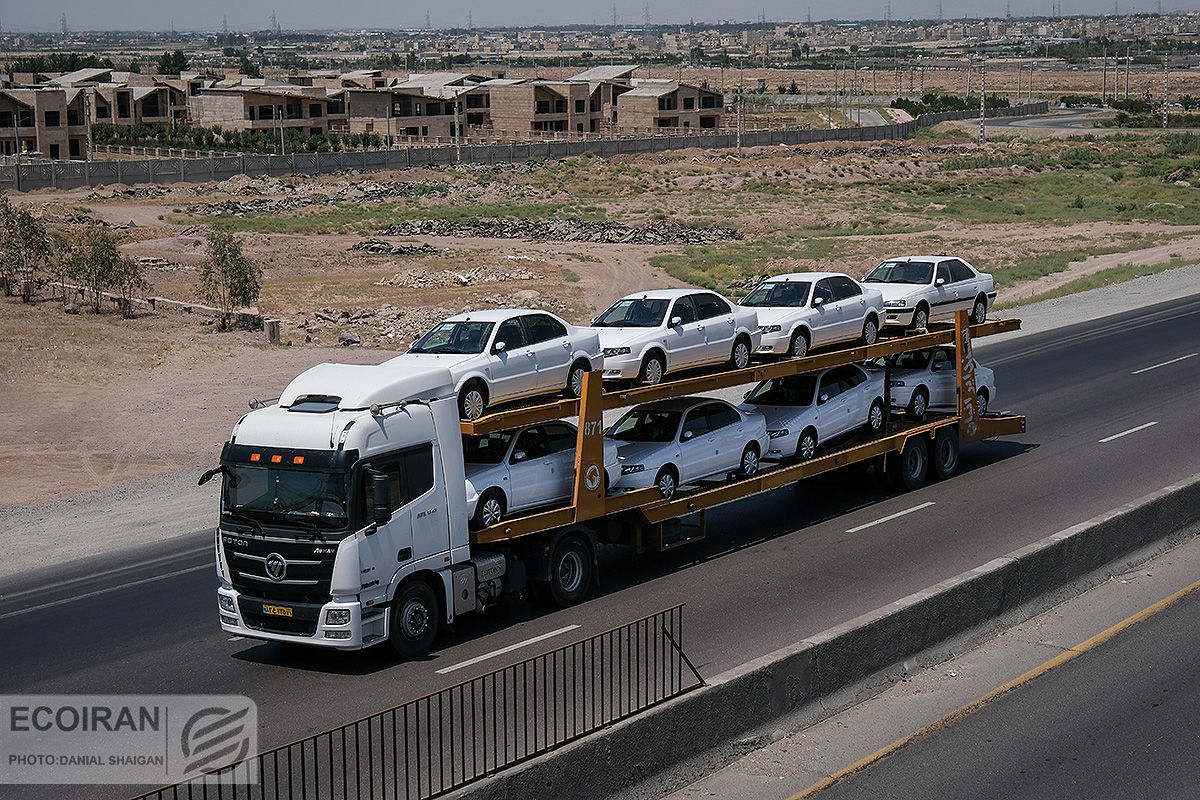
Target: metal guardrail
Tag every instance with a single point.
(442, 741)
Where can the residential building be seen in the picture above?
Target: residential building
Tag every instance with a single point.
(654, 103)
(265, 105)
(50, 122)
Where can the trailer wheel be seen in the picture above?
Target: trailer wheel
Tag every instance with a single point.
(415, 614)
(571, 568)
(909, 468)
(945, 452)
(919, 403)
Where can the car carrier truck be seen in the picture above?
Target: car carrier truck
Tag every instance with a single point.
(343, 517)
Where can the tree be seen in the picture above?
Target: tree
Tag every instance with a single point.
(172, 63)
(127, 279)
(248, 67)
(24, 246)
(95, 262)
(227, 277)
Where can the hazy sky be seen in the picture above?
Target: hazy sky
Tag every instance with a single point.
(355, 14)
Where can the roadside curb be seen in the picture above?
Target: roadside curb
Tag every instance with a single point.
(798, 685)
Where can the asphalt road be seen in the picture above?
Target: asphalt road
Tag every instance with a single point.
(131, 627)
(1117, 721)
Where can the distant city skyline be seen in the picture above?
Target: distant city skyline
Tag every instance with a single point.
(354, 15)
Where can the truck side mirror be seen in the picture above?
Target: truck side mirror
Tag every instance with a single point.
(381, 500)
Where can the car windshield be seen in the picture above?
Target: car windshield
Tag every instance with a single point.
(916, 359)
(646, 425)
(790, 390)
(916, 272)
(640, 312)
(455, 338)
(286, 494)
(488, 448)
(789, 294)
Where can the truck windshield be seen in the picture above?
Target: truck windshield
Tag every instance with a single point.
(488, 448)
(455, 338)
(790, 390)
(917, 272)
(286, 494)
(787, 294)
(633, 313)
(646, 425)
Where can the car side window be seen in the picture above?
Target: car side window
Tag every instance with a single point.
(823, 291)
(942, 360)
(542, 328)
(851, 377)
(960, 271)
(559, 437)
(845, 288)
(532, 442)
(831, 386)
(720, 415)
(409, 473)
(511, 333)
(696, 423)
(709, 305)
(943, 273)
(684, 310)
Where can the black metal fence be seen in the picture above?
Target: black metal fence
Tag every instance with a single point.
(442, 741)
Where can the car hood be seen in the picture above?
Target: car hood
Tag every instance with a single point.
(451, 361)
(896, 291)
(779, 315)
(778, 417)
(624, 337)
(648, 453)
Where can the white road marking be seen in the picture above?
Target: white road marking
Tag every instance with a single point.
(1164, 364)
(1126, 433)
(92, 576)
(889, 517)
(105, 590)
(508, 649)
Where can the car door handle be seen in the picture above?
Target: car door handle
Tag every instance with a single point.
(566, 345)
(529, 353)
(699, 327)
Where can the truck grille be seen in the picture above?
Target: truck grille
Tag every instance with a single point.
(303, 621)
(278, 567)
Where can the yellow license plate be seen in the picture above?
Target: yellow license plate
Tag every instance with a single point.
(277, 611)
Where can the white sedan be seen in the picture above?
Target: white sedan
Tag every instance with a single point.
(917, 289)
(924, 379)
(803, 411)
(502, 355)
(648, 334)
(515, 470)
(685, 439)
(808, 309)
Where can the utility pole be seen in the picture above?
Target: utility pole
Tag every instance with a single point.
(87, 119)
(1126, 72)
(741, 120)
(982, 100)
(457, 131)
(279, 109)
(1166, 78)
(1103, 74)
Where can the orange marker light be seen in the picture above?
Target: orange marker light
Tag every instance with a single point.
(276, 459)
(255, 456)
(298, 460)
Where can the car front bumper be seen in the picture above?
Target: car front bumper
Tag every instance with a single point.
(898, 317)
(776, 343)
(618, 368)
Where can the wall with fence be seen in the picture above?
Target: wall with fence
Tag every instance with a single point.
(74, 174)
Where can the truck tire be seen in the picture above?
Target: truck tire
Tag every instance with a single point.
(945, 452)
(909, 467)
(571, 570)
(415, 614)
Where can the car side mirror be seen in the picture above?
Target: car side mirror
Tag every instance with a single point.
(687, 435)
(746, 395)
(499, 347)
(518, 456)
(381, 498)
(824, 399)
(939, 282)
(818, 301)
(675, 321)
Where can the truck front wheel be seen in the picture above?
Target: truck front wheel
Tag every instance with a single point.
(415, 616)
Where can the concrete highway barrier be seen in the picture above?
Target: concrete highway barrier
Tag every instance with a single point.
(799, 685)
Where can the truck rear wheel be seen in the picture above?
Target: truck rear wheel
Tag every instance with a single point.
(571, 570)
(909, 467)
(415, 613)
(945, 452)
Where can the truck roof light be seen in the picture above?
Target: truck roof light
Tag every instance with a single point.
(298, 460)
(276, 459)
(255, 456)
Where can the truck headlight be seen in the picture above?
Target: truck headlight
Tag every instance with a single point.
(225, 602)
(777, 434)
(616, 351)
(337, 634)
(629, 469)
(230, 621)
(895, 303)
(769, 328)
(337, 616)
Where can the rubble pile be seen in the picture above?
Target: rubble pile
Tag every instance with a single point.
(160, 264)
(382, 248)
(135, 192)
(568, 230)
(239, 208)
(416, 279)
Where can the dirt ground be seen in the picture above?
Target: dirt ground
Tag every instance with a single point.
(92, 401)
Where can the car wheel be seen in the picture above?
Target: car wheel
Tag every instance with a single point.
(472, 401)
(945, 452)
(909, 467)
(981, 402)
(799, 347)
(489, 509)
(575, 379)
(414, 623)
(806, 445)
(667, 481)
(571, 568)
(920, 318)
(748, 467)
(739, 357)
(979, 312)
(875, 417)
(653, 369)
(870, 331)
(919, 403)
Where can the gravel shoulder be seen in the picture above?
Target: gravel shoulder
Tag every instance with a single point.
(155, 507)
